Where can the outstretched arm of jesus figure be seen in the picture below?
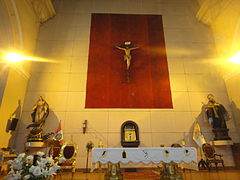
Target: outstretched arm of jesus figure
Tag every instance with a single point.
(120, 47)
(133, 48)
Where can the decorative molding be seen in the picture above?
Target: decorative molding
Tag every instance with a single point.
(210, 10)
(21, 70)
(5, 43)
(3, 81)
(19, 25)
(43, 9)
(236, 37)
(15, 26)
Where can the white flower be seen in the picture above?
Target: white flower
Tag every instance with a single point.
(41, 164)
(45, 172)
(31, 169)
(17, 165)
(10, 162)
(29, 158)
(16, 161)
(53, 169)
(41, 154)
(16, 176)
(11, 172)
(62, 159)
(44, 161)
(27, 177)
(37, 171)
(50, 161)
(56, 167)
(45, 167)
(20, 156)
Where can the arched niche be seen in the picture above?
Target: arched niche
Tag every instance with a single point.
(129, 134)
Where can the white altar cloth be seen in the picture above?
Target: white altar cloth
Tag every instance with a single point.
(144, 155)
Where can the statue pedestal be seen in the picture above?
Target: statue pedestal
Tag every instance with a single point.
(221, 134)
(34, 147)
(222, 143)
(34, 144)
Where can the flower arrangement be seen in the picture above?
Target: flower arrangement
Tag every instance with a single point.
(29, 167)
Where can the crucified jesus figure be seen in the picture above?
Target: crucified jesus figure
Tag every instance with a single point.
(127, 49)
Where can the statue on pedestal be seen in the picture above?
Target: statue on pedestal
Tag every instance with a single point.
(39, 115)
(217, 115)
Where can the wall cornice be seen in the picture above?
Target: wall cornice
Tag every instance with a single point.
(210, 9)
(43, 9)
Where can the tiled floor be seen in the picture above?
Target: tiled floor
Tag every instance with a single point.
(188, 175)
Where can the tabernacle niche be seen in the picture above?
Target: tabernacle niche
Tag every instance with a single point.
(130, 134)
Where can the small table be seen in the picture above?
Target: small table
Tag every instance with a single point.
(145, 155)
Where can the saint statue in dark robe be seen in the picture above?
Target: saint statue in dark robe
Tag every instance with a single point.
(217, 115)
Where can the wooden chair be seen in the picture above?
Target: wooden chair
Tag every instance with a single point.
(211, 156)
(69, 152)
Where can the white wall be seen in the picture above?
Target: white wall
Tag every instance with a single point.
(190, 51)
(11, 76)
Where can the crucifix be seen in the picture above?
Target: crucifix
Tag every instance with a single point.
(127, 48)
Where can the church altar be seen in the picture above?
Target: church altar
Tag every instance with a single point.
(144, 155)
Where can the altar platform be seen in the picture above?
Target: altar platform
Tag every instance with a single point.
(188, 175)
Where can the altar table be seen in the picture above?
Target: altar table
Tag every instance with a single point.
(144, 155)
(170, 157)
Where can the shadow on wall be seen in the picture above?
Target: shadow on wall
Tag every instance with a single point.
(20, 138)
(205, 126)
(51, 122)
(13, 124)
(236, 116)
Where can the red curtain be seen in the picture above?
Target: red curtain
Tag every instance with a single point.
(149, 85)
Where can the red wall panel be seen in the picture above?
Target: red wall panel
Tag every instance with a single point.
(149, 85)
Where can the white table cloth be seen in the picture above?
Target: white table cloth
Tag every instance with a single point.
(144, 155)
